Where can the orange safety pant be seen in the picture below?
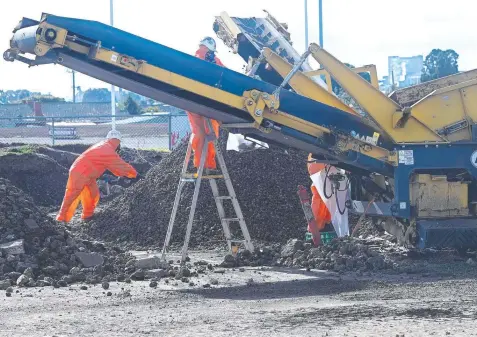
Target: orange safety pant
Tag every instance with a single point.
(79, 188)
(199, 130)
(320, 210)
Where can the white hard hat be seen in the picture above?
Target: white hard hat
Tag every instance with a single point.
(209, 43)
(114, 134)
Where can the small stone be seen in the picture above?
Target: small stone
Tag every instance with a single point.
(31, 224)
(470, 262)
(109, 293)
(28, 272)
(84, 288)
(153, 284)
(9, 290)
(214, 281)
(4, 285)
(138, 275)
(185, 272)
(62, 283)
(291, 247)
(153, 262)
(241, 270)
(13, 247)
(191, 284)
(185, 280)
(105, 285)
(23, 280)
(8, 294)
(250, 282)
(219, 271)
(89, 260)
(127, 280)
(207, 285)
(156, 273)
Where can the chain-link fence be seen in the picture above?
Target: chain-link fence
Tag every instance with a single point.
(159, 131)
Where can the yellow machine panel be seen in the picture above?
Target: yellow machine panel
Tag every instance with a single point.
(434, 196)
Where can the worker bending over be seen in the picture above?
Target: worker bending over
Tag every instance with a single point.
(198, 124)
(88, 167)
(320, 210)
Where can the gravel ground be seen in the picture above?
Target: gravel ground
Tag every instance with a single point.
(278, 302)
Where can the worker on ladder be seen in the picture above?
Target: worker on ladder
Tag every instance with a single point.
(198, 124)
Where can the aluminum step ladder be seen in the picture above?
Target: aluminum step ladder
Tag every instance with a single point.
(197, 179)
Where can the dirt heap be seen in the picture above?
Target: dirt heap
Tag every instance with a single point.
(35, 250)
(342, 254)
(37, 174)
(265, 182)
(42, 172)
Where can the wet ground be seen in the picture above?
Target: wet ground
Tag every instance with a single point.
(439, 301)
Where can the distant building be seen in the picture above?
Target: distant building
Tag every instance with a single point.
(404, 71)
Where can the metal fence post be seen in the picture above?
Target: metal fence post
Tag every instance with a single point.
(170, 131)
(53, 131)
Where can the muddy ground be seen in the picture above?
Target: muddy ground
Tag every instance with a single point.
(439, 301)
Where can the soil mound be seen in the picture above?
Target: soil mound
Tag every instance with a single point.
(35, 250)
(265, 182)
(42, 171)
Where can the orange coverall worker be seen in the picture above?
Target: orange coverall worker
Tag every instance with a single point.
(320, 211)
(88, 167)
(199, 127)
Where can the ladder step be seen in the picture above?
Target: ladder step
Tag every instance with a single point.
(231, 219)
(224, 197)
(195, 176)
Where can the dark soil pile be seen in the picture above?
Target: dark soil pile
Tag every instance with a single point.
(265, 182)
(34, 250)
(39, 175)
(42, 172)
(342, 254)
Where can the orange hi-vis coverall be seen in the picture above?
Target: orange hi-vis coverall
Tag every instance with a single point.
(320, 211)
(88, 167)
(199, 128)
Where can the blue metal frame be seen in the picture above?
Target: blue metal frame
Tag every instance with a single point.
(214, 75)
(430, 157)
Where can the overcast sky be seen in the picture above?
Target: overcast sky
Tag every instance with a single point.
(356, 31)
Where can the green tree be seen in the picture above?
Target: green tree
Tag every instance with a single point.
(439, 63)
(132, 107)
(102, 95)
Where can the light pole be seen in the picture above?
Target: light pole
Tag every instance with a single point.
(320, 18)
(306, 24)
(113, 89)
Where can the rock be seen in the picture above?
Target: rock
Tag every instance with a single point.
(31, 224)
(9, 290)
(470, 262)
(191, 284)
(214, 281)
(185, 280)
(105, 285)
(153, 262)
(377, 262)
(109, 293)
(241, 270)
(23, 281)
(138, 275)
(62, 283)
(4, 285)
(8, 294)
(157, 273)
(13, 247)
(185, 272)
(28, 272)
(291, 247)
(89, 260)
(84, 288)
(153, 284)
(116, 190)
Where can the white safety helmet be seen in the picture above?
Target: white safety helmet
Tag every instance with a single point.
(114, 134)
(209, 43)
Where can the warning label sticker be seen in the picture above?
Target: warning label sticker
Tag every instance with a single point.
(406, 157)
